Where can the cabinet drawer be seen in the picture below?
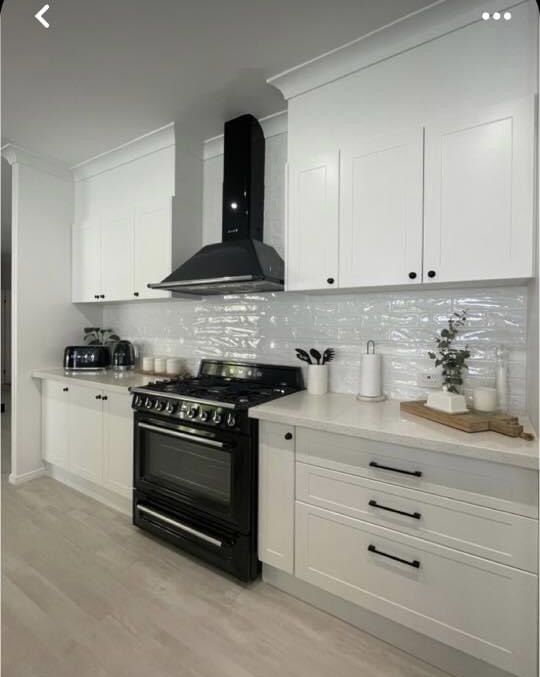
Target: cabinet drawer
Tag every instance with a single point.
(491, 485)
(474, 605)
(500, 536)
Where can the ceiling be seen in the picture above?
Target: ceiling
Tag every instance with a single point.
(108, 71)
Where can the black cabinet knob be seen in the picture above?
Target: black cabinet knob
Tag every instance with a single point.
(104, 397)
(431, 273)
(288, 436)
(65, 389)
(330, 280)
(96, 296)
(412, 276)
(102, 296)
(98, 397)
(135, 293)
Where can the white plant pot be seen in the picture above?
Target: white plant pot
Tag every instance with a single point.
(317, 379)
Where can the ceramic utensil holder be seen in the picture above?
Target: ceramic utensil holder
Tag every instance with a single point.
(317, 379)
(485, 399)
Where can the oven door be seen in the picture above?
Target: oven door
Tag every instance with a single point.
(204, 470)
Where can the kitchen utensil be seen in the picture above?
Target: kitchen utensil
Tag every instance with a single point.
(485, 399)
(303, 355)
(317, 379)
(316, 355)
(370, 374)
(328, 355)
(471, 422)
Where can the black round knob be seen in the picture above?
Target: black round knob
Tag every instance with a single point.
(96, 296)
(330, 280)
(102, 296)
(104, 397)
(431, 273)
(412, 276)
(98, 397)
(135, 293)
(65, 389)
(288, 436)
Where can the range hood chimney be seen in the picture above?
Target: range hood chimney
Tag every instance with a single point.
(241, 263)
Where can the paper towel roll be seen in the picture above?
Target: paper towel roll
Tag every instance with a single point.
(371, 375)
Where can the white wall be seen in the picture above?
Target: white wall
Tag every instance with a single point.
(44, 319)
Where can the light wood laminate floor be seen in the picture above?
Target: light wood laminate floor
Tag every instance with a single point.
(85, 594)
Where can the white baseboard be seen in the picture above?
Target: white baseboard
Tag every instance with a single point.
(424, 648)
(108, 498)
(27, 476)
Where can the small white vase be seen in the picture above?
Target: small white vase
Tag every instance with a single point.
(317, 379)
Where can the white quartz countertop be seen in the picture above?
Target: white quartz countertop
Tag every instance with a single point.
(107, 380)
(384, 422)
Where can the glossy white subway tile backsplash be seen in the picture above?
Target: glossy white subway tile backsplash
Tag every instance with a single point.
(269, 327)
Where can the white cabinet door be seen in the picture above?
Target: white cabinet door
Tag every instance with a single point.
(474, 605)
(381, 210)
(55, 399)
(117, 256)
(276, 495)
(86, 433)
(313, 223)
(479, 195)
(152, 248)
(86, 261)
(118, 443)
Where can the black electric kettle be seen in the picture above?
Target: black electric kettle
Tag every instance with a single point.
(123, 356)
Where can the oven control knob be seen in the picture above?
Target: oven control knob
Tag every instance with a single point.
(158, 405)
(193, 411)
(148, 403)
(217, 417)
(203, 416)
(170, 408)
(231, 420)
(137, 401)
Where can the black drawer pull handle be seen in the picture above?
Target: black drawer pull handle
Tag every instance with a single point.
(414, 473)
(414, 515)
(415, 563)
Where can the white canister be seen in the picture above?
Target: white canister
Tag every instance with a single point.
(174, 366)
(370, 373)
(485, 399)
(148, 364)
(160, 365)
(317, 379)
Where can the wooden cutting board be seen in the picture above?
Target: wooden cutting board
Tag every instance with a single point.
(471, 422)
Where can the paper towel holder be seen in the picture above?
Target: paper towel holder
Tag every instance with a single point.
(370, 350)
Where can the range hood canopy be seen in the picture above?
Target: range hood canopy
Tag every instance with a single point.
(242, 263)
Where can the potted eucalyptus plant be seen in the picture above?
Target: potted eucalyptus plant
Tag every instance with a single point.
(452, 360)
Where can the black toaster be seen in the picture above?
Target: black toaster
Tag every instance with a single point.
(86, 358)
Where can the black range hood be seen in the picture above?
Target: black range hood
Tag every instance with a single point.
(242, 263)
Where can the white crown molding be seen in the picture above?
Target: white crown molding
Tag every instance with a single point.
(161, 138)
(432, 22)
(17, 155)
(272, 125)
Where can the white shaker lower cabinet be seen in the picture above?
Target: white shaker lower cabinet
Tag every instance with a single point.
(479, 195)
(89, 433)
(477, 606)
(380, 234)
(86, 433)
(276, 495)
(118, 443)
(313, 223)
(55, 423)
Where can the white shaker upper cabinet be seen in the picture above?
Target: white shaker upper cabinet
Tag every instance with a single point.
(479, 195)
(86, 261)
(313, 223)
(117, 255)
(381, 210)
(153, 248)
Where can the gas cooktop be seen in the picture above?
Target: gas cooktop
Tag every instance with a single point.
(220, 389)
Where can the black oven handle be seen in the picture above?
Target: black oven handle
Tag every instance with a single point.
(183, 436)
